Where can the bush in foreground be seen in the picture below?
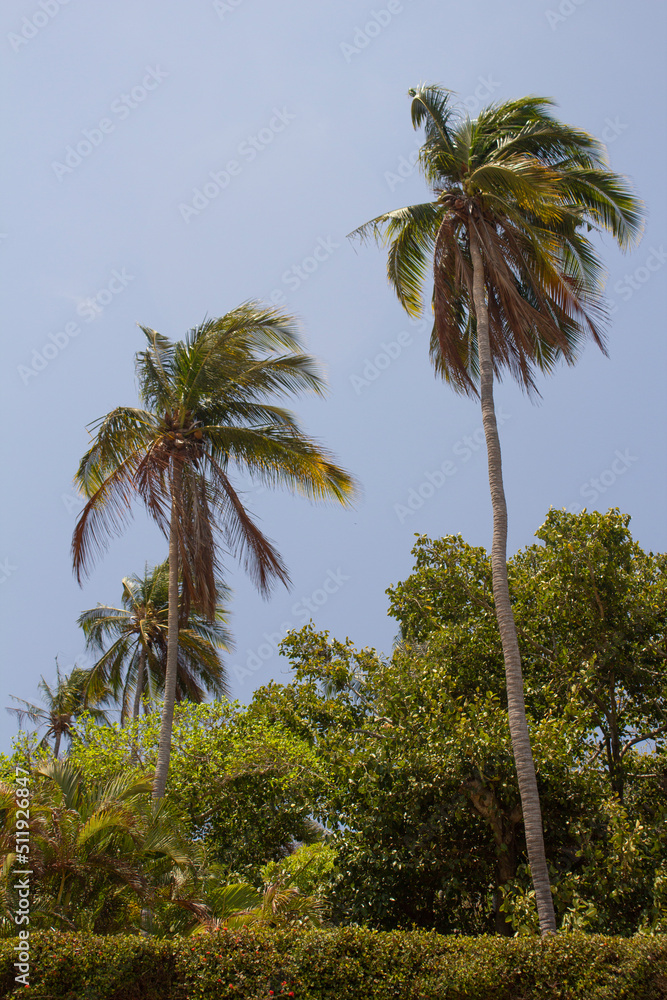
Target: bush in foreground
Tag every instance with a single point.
(345, 964)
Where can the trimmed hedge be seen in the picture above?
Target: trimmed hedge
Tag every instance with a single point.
(344, 964)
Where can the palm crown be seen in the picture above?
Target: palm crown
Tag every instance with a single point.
(208, 409)
(530, 189)
(63, 703)
(133, 643)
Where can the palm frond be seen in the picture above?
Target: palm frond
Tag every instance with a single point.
(106, 514)
(66, 778)
(280, 458)
(154, 369)
(120, 435)
(258, 555)
(608, 201)
(431, 108)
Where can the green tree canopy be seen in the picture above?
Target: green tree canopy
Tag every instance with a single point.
(244, 786)
(591, 613)
(422, 801)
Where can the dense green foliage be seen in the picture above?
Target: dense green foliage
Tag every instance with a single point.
(244, 785)
(348, 964)
(101, 855)
(422, 789)
(380, 790)
(590, 607)
(105, 857)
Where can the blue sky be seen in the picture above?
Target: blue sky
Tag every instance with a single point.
(167, 161)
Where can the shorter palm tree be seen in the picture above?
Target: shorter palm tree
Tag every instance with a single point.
(102, 856)
(283, 905)
(133, 643)
(62, 704)
(278, 904)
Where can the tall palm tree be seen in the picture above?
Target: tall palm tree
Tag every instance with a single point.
(516, 287)
(63, 702)
(208, 410)
(133, 643)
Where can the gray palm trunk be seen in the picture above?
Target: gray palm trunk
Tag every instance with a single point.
(164, 746)
(141, 670)
(516, 708)
(139, 689)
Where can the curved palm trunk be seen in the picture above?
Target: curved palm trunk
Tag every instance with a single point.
(516, 708)
(56, 745)
(164, 747)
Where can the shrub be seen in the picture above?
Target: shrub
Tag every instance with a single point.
(344, 964)
(88, 967)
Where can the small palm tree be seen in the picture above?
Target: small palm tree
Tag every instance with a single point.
(277, 904)
(63, 702)
(208, 410)
(133, 643)
(516, 287)
(101, 854)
